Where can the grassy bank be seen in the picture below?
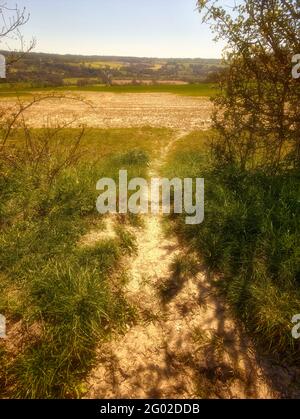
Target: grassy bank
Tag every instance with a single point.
(250, 240)
(60, 296)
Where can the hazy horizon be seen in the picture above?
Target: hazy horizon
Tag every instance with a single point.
(121, 56)
(136, 28)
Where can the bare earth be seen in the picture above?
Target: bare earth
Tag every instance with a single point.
(160, 356)
(110, 110)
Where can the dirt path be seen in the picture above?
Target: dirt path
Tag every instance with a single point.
(185, 344)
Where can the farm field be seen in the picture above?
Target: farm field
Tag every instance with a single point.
(108, 110)
(200, 89)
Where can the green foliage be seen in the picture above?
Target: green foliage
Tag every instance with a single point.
(65, 296)
(133, 158)
(257, 114)
(250, 239)
(198, 89)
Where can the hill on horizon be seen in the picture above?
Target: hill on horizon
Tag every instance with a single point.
(43, 69)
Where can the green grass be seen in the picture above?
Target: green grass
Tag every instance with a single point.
(201, 89)
(250, 240)
(65, 298)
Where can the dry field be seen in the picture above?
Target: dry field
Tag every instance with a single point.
(110, 110)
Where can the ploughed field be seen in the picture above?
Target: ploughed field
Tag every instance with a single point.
(107, 110)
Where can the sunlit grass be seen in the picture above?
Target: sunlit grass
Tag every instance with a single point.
(64, 297)
(250, 240)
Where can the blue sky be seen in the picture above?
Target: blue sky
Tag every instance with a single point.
(152, 28)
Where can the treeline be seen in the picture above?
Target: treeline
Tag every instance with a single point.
(57, 70)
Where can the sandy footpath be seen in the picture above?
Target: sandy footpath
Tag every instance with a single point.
(160, 356)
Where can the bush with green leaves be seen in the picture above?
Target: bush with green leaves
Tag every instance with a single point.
(257, 113)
